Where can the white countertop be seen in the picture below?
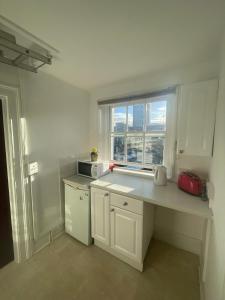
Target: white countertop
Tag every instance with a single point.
(144, 189)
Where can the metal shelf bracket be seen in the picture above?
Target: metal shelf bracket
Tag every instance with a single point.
(8, 41)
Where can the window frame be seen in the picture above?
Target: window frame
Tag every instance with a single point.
(143, 133)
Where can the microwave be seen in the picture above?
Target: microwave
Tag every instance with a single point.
(92, 169)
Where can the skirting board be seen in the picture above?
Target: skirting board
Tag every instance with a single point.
(46, 239)
(57, 231)
(178, 240)
(41, 243)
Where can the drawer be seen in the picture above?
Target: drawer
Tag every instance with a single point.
(127, 203)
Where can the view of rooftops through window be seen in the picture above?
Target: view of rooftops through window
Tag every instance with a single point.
(138, 132)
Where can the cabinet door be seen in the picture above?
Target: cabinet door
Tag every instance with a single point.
(100, 215)
(126, 233)
(196, 118)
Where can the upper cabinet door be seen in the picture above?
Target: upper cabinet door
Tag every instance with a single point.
(196, 118)
(100, 215)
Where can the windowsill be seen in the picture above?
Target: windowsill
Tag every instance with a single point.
(141, 173)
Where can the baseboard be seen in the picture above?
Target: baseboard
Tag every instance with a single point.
(178, 240)
(57, 231)
(41, 243)
(47, 238)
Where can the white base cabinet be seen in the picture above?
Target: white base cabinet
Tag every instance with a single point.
(121, 225)
(100, 215)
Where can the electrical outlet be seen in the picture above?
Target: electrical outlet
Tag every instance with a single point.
(33, 168)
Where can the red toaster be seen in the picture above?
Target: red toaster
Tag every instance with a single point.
(190, 183)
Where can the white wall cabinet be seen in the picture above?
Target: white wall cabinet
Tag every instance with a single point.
(121, 225)
(100, 215)
(196, 118)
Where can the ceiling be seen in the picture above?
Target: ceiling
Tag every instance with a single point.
(103, 41)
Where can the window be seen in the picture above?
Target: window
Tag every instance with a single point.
(138, 132)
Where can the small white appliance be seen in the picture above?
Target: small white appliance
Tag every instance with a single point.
(92, 169)
(160, 177)
(78, 208)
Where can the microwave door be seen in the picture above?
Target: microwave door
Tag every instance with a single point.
(84, 169)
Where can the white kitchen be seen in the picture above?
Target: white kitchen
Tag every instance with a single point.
(112, 123)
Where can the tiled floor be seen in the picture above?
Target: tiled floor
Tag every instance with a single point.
(68, 270)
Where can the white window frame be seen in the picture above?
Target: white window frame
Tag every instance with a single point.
(143, 133)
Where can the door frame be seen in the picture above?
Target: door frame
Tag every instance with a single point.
(17, 182)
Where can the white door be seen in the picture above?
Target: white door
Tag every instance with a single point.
(100, 215)
(77, 214)
(196, 118)
(126, 232)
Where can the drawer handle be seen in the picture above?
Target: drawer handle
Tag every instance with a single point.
(112, 209)
(106, 194)
(125, 203)
(81, 198)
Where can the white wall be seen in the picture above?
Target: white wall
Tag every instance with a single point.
(149, 82)
(179, 229)
(188, 74)
(9, 76)
(215, 277)
(184, 231)
(58, 133)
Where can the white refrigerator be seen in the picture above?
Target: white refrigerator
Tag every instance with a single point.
(78, 208)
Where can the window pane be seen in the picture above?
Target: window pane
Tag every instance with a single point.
(154, 146)
(135, 149)
(118, 148)
(119, 119)
(136, 117)
(156, 116)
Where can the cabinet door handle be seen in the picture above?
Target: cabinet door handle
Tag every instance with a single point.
(125, 203)
(106, 194)
(81, 198)
(181, 151)
(112, 209)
